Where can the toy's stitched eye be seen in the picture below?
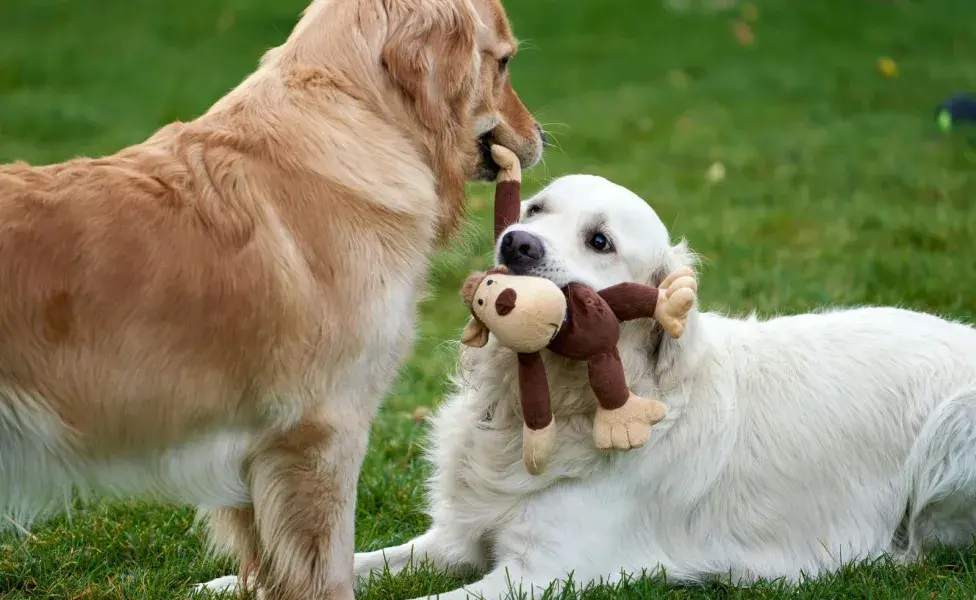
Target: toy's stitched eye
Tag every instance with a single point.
(481, 302)
(600, 243)
(489, 282)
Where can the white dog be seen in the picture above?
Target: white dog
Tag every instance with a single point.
(792, 445)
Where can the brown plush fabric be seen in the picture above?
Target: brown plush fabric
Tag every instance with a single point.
(508, 203)
(607, 379)
(590, 334)
(505, 302)
(534, 391)
(631, 301)
(591, 328)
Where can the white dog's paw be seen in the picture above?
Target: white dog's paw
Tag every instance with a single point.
(222, 586)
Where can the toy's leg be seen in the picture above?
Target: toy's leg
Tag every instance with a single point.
(607, 380)
(623, 420)
(537, 432)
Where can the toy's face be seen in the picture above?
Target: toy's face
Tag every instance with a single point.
(485, 299)
(524, 313)
(586, 229)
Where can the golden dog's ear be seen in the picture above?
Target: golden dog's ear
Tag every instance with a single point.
(475, 334)
(429, 55)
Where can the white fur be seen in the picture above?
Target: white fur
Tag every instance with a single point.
(792, 445)
(40, 469)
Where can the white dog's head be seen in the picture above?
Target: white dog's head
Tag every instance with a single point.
(586, 229)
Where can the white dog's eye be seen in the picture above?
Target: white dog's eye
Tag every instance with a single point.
(533, 210)
(600, 243)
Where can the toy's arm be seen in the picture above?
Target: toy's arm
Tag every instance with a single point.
(534, 390)
(631, 301)
(669, 305)
(508, 190)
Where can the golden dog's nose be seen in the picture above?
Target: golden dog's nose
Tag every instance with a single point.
(542, 136)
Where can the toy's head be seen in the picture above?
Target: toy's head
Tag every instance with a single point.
(524, 313)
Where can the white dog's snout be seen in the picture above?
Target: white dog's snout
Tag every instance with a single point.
(516, 228)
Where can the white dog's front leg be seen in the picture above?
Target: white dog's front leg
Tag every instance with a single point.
(507, 582)
(677, 357)
(222, 586)
(434, 547)
(442, 551)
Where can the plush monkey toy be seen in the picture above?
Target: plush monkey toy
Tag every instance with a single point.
(527, 314)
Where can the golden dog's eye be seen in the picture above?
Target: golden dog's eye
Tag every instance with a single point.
(503, 63)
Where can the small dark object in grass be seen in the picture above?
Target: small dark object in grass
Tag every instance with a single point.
(957, 110)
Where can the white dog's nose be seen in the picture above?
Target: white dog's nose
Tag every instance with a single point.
(521, 249)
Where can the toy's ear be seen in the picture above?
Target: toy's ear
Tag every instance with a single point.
(475, 334)
(470, 286)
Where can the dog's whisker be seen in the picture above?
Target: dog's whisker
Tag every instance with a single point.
(554, 142)
(545, 178)
(546, 125)
(526, 44)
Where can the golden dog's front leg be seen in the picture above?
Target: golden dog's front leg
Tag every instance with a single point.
(303, 485)
(233, 532)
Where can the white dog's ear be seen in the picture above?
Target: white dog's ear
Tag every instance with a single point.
(677, 257)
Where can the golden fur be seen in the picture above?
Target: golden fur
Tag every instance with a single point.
(251, 274)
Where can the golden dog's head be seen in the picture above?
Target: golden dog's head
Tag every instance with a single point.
(438, 69)
(450, 60)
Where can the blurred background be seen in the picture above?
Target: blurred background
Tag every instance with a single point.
(794, 144)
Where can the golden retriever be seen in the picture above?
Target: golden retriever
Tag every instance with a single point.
(213, 315)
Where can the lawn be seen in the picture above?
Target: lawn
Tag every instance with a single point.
(837, 189)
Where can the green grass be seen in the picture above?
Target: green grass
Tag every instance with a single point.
(838, 190)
